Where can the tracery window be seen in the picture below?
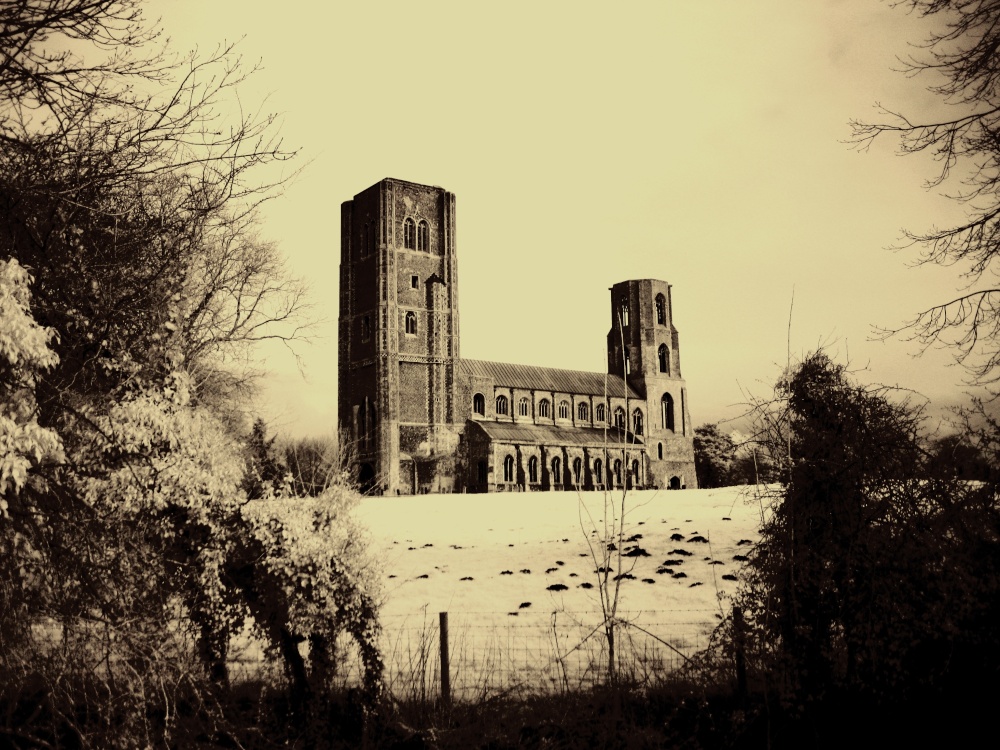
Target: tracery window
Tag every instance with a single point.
(423, 236)
(479, 404)
(599, 414)
(620, 418)
(501, 404)
(411, 323)
(664, 356)
(661, 310)
(508, 469)
(522, 407)
(409, 234)
(543, 408)
(563, 410)
(667, 412)
(583, 412)
(623, 313)
(637, 421)
(628, 361)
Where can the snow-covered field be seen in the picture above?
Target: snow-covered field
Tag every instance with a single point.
(491, 561)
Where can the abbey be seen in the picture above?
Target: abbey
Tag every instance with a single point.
(422, 419)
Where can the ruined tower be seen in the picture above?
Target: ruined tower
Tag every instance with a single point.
(644, 345)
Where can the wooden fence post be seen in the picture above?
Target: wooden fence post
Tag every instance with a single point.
(739, 642)
(445, 674)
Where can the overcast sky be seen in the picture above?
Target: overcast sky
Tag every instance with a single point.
(696, 142)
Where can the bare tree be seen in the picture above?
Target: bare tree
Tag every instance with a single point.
(962, 61)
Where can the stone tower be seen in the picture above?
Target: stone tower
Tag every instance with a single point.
(643, 344)
(398, 334)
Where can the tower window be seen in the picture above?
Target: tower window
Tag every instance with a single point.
(366, 328)
(414, 282)
(664, 356)
(423, 236)
(522, 407)
(599, 413)
(533, 469)
(563, 410)
(372, 237)
(667, 412)
(661, 310)
(409, 234)
(637, 421)
(620, 418)
(508, 469)
(501, 404)
(628, 361)
(543, 408)
(583, 412)
(411, 324)
(623, 313)
(479, 404)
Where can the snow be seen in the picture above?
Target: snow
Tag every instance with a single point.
(451, 553)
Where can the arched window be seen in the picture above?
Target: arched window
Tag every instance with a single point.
(577, 471)
(411, 323)
(659, 451)
(501, 404)
(667, 412)
(610, 478)
(479, 404)
(628, 361)
(598, 469)
(423, 236)
(623, 312)
(533, 469)
(635, 473)
(664, 356)
(522, 407)
(637, 421)
(563, 410)
(508, 469)
(409, 235)
(543, 408)
(583, 412)
(620, 418)
(661, 310)
(599, 413)
(556, 470)
(618, 472)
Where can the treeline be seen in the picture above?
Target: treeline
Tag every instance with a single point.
(138, 536)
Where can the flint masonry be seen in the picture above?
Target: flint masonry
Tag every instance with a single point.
(422, 419)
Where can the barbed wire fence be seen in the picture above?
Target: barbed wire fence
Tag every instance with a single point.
(533, 652)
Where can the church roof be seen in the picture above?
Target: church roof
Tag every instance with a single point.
(534, 434)
(530, 377)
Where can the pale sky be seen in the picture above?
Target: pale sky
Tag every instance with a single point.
(696, 142)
